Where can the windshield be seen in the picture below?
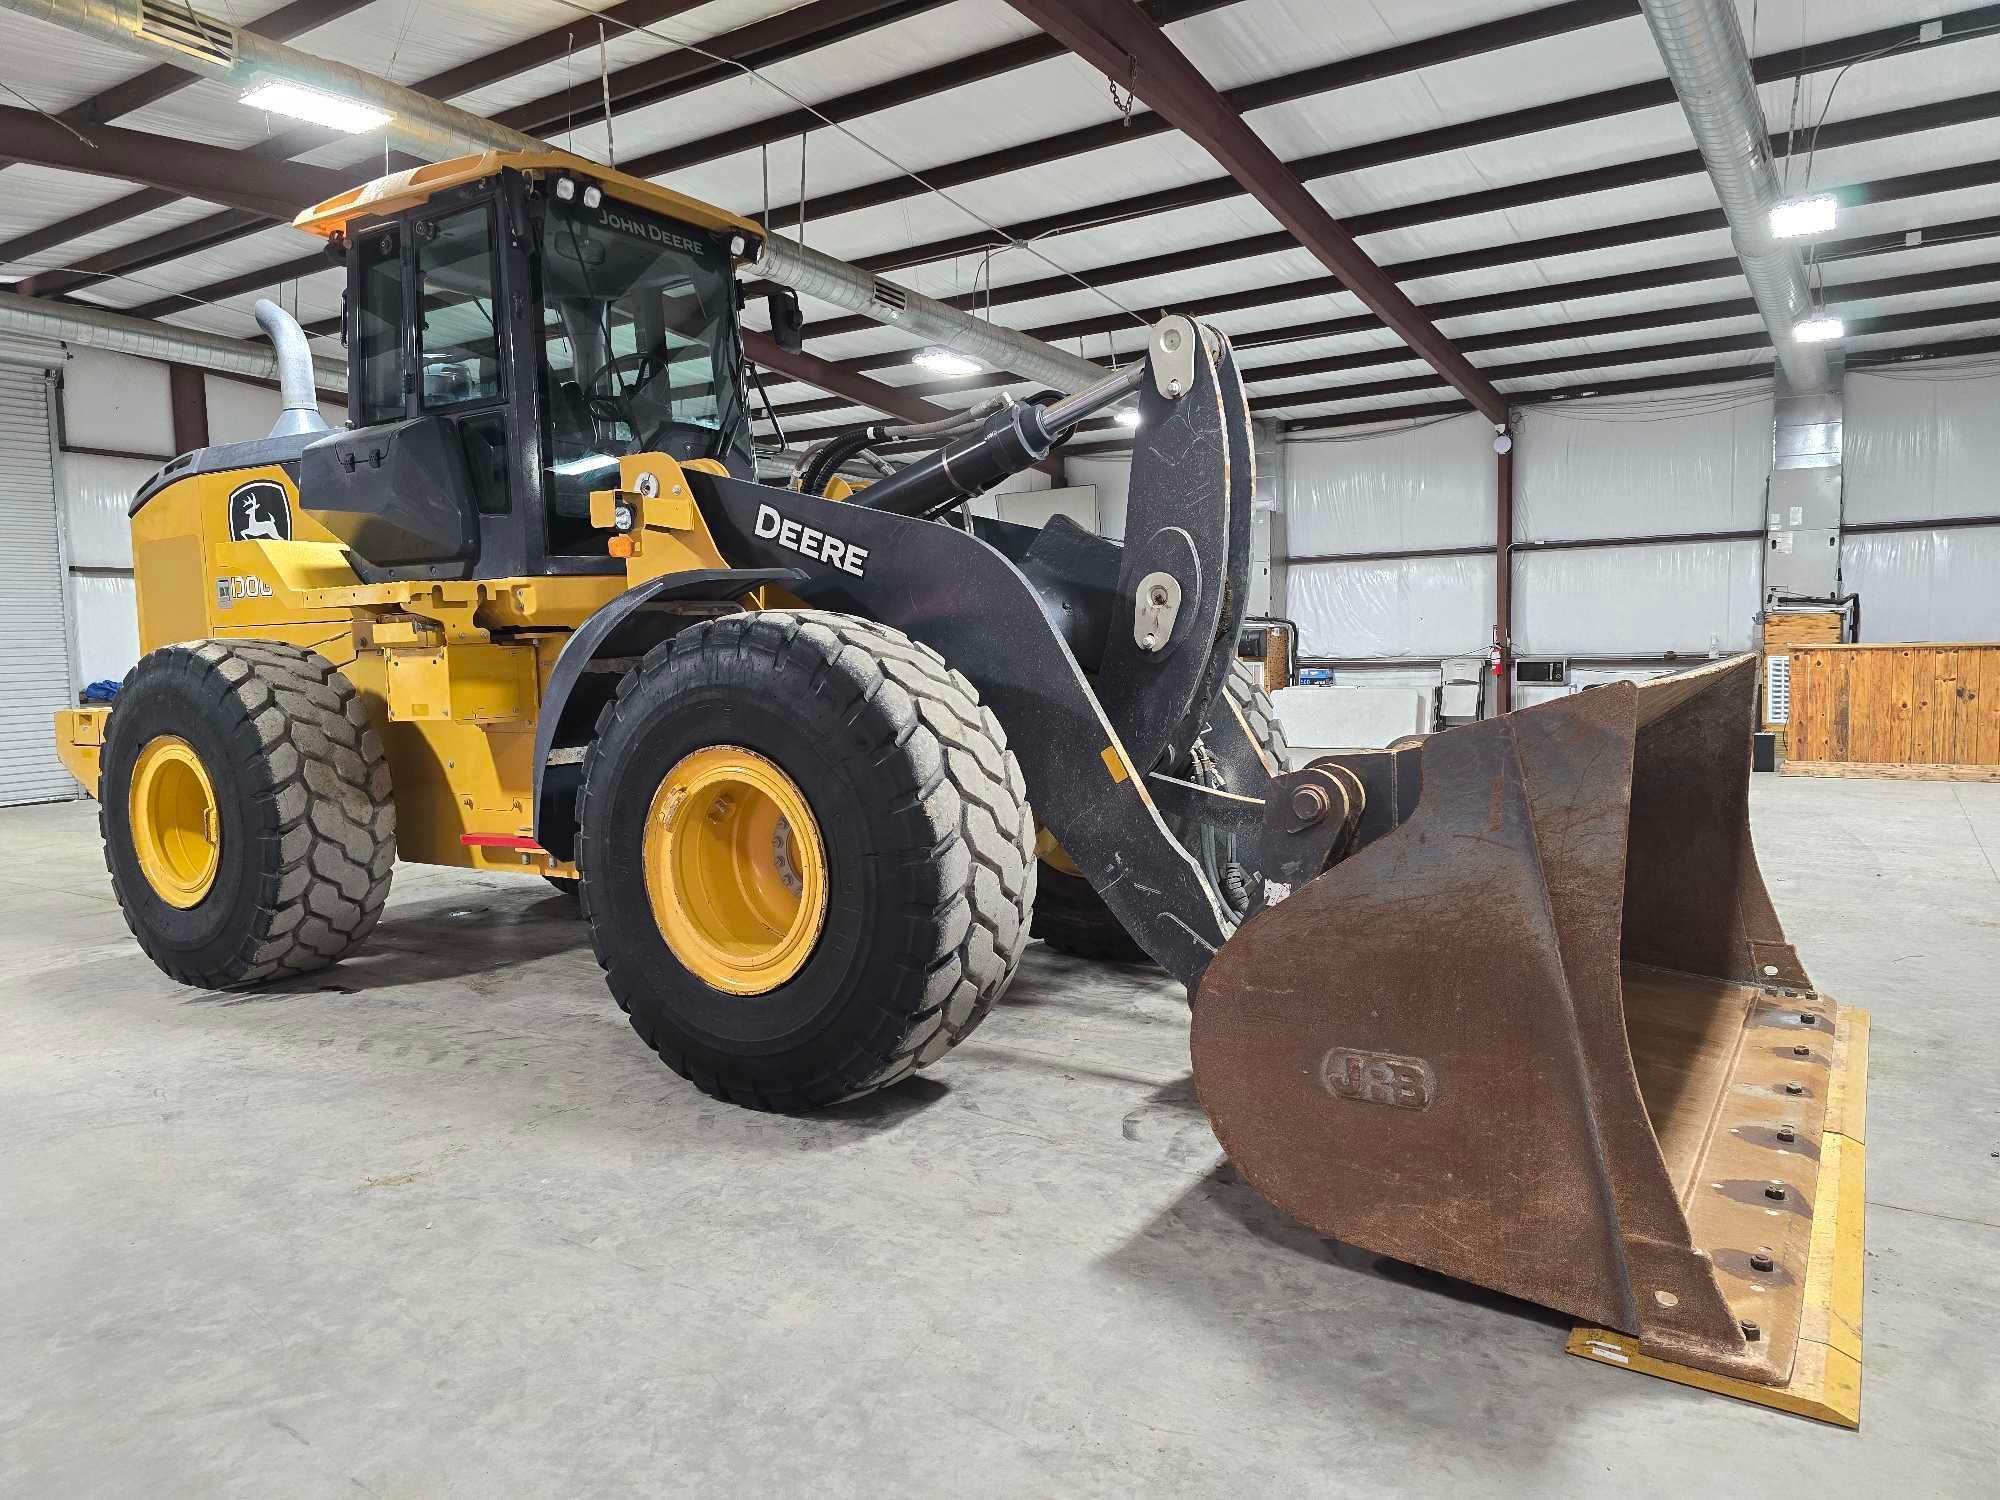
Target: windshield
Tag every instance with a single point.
(639, 318)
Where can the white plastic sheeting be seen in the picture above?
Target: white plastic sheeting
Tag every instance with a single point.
(107, 625)
(1400, 490)
(1111, 476)
(1687, 597)
(1922, 445)
(97, 499)
(1941, 584)
(1430, 606)
(116, 402)
(239, 411)
(1643, 468)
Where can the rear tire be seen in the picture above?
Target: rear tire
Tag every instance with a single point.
(1069, 914)
(301, 824)
(920, 842)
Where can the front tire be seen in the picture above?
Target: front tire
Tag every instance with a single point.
(807, 856)
(246, 812)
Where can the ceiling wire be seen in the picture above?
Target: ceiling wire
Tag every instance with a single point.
(1011, 242)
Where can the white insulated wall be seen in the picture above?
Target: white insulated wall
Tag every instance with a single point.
(121, 406)
(1409, 489)
(1634, 469)
(1923, 444)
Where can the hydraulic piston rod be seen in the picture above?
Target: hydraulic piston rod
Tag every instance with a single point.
(1014, 438)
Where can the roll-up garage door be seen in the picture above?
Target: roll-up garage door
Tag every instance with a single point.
(34, 634)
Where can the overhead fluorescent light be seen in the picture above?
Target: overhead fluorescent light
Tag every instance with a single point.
(317, 107)
(946, 362)
(1127, 418)
(1799, 218)
(1820, 329)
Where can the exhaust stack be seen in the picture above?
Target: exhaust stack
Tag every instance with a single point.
(295, 370)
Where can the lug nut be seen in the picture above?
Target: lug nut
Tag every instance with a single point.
(1762, 1261)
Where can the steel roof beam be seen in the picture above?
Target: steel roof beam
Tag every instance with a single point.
(786, 35)
(1122, 42)
(1325, 78)
(1777, 66)
(1881, 190)
(1513, 338)
(922, 84)
(155, 84)
(1972, 109)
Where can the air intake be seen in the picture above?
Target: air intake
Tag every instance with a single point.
(891, 298)
(186, 29)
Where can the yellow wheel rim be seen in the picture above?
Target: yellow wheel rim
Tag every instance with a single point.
(1052, 854)
(735, 869)
(176, 828)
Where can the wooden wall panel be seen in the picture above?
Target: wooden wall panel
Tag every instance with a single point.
(1896, 704)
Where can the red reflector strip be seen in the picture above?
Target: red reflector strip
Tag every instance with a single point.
(498, 841)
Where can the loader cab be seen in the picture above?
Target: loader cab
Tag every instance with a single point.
(509, 339)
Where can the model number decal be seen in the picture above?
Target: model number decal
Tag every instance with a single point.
(805, 541)
(240, 586)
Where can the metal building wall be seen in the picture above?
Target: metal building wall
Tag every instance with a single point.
(36, 668)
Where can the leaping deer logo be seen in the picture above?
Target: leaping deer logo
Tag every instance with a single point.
(260, 511)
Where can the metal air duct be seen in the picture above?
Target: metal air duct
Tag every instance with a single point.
(173, 32)
(101, 328)
(1702, 42)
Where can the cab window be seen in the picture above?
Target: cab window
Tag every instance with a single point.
(459, 341)
(378, 326)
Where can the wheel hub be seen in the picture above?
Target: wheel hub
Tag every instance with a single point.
(735, 869)
(176, 828)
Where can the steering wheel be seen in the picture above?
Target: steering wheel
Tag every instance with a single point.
(609, 403)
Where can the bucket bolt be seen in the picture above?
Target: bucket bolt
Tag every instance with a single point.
(1775, 1192)
(1309, 805)
(1801, 1050)
(1751, 1332)
(1761, 1261)
(1787, 1134)
(1795, 1088)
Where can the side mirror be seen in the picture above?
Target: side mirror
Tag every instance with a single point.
(788, 322)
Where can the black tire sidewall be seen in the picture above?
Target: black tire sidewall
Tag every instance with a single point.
(173, 692)
(852, 996)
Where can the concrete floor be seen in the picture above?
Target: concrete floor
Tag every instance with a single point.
(434, 1223)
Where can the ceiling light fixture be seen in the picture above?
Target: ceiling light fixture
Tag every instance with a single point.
(316, 107)
(1800, 218)
(946, 362)
(1819, 329)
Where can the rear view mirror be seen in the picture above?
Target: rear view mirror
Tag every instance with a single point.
(788, 322)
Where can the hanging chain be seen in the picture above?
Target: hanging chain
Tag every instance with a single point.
(1122, 102)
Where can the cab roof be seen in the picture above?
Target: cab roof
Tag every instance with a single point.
(401, 190)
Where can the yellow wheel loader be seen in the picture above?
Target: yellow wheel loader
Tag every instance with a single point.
(1510, 1002)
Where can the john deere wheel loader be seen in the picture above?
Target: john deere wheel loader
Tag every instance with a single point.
(1510, 1003)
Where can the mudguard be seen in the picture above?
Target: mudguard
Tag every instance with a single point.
(627, 626)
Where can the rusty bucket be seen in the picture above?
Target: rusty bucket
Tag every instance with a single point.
(1547, 1036)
